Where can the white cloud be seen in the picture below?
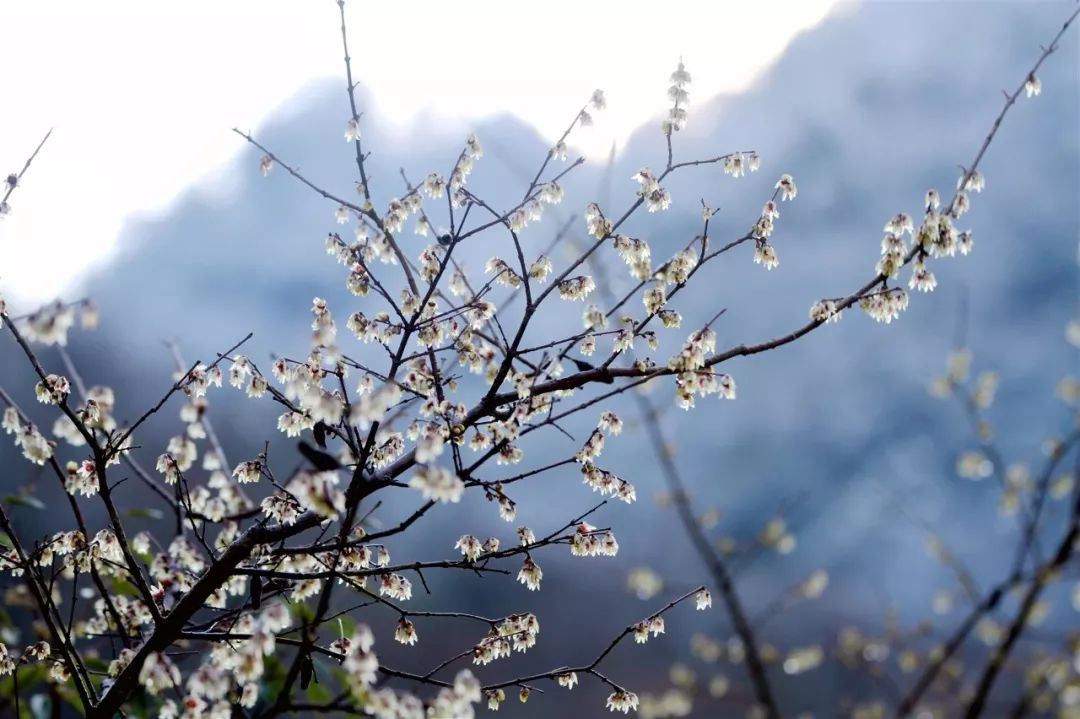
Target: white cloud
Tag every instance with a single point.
(142, 95)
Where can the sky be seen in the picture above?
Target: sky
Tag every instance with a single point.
(142, 96)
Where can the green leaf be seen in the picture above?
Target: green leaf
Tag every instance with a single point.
(348, 625)
(319, 694)
(96, 663)
(302, 611)
(24, 500)
(144, 513)
(124, 587)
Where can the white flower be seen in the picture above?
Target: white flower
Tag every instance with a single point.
(435, 186)
(266, 164)
(10, 422)
(35, 447)
(438, 484)
(518, 220)
(670, 318)
(576, 288)
(248, 472)
(885, 306)
(680, 77)
(429, 447)
(352, 130)
(765, 255)
(922, 279)
(395, 586)
(405, 632)
(593, 318)
(734, 165)
(494, 698)
(803, 659)
(504, 274)
(507, 509)
(974, 465)
(786, 185)
(644, 177)
(763, 228)
(530, 574)
(814, 585)
(319, 492)
(622, 701)
(167, 466)
(540, 269)
(82, 478)
(676, 119)
(473, 149)
(624, 341)
(7, 663)
(964, 242)
(825, 311)
(249, 695)
(961, 204)
(900, 224)
(933, 199)
(588, 345)
(703, 600)
(257, 386)
(657, 199)
(551, 193)
(54, 389)
(610, 422)
(281, 509)
(140, 543)
(238, 372)
(975, 183)
(1033, 85)
(158, 673)
(50, 324)
(466, 686)
(470, 547)
(677, 270)
(293, 423)
(598, 225)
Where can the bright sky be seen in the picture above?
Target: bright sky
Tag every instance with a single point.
(142, 95)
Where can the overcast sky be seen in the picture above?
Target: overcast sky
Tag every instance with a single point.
(142, 95)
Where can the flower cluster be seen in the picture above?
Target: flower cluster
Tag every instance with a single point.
(656, 197)
(677, 93)
(516, 633)
(441, 385)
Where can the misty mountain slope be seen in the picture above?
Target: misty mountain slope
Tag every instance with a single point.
(867, 111)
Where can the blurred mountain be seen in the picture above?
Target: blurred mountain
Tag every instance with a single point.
(867, 111)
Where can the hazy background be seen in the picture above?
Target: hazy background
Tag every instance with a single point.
(867, 110)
